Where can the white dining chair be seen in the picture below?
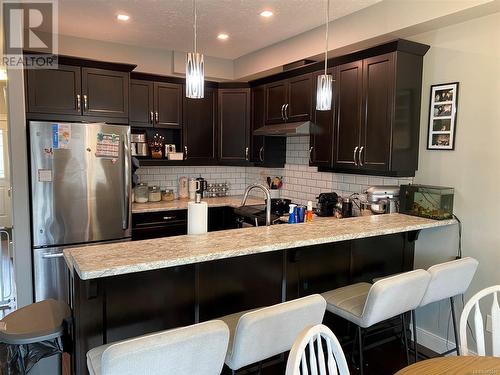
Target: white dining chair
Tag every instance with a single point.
(478, 324)
(197, 349)
(308, 353)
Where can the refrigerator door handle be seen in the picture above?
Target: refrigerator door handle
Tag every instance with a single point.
(51, 255)
(126, 182)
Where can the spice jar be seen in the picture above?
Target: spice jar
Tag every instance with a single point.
(154, 194)
(141, 193)
(167, 195)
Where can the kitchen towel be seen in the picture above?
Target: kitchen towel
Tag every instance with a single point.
(197, 217)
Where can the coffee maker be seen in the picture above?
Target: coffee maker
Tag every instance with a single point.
(326, 204)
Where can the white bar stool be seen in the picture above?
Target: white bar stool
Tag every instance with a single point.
(197, 349)
(263, 333)
(448, 280)
(367, 304)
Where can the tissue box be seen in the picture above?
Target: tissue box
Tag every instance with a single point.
(175, 156)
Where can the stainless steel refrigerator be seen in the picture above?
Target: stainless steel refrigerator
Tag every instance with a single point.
(80, 194)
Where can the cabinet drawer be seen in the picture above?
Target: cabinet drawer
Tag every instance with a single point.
(158, 218)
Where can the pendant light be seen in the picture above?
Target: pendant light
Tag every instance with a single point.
(195, 67)
(324, 89)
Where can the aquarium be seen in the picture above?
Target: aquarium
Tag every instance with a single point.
(433, 202)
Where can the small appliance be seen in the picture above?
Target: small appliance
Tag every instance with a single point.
(326, 204)
(203, 185)
(383, 199)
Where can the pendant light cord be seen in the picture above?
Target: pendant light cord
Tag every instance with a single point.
(195, 22)
(327, 18)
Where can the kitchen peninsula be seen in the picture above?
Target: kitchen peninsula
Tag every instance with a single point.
(122, 290)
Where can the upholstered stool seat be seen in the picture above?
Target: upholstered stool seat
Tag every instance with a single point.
(367, 304)
(260, 334)
(198, 349)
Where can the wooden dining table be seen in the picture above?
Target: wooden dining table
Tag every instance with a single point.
(463, 365)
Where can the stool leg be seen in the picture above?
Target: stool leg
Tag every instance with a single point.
(414, 322)
(452, 303)
(405, 337)
(360, 341)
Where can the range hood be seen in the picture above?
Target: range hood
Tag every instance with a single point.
(289, 129)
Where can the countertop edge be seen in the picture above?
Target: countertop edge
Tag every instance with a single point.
(151, 266)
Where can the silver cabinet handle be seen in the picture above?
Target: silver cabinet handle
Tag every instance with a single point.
(286, 114)
(185, 152)
(51, 256)
(355, 152)
(310, 153)
(359, 156)
(261, 151)
(282, 114)
(157, 117)
(85, 103)
(151, 117)
(168, 217)
(246, 153)
(78, 102)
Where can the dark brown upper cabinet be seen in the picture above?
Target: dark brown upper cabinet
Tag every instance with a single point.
(105, 92)
(141, 103)
(74, 92)
(321, 138)
(289, 100)
(348, 94)
(378, 115)
(265, 151)
(234, 125)
(155, 104)
(199, 130)
(54, 90)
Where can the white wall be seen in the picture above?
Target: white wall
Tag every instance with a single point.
(470, 54)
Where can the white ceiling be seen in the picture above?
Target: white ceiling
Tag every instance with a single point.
(167, 24)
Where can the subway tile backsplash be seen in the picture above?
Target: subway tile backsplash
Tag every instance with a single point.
(300, 181)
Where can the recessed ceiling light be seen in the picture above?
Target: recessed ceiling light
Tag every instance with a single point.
(123, 17)
(222, 36)
(266, 13)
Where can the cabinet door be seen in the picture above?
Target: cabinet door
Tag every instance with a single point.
(276, 98)
(234, 124)
(378, 105)
(299, 103)
(258, 120)
(199, 128)
(54, 90)
(348, 114)
(168, 105)
(141, 103)
(321, 139)
(105, 92)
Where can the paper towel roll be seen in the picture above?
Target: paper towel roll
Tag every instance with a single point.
(197, 217)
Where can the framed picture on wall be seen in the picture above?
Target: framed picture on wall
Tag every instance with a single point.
(442, 116)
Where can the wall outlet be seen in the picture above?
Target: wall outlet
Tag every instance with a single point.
(488, 323)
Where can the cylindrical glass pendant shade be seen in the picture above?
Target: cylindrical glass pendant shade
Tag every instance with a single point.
(324, 92)
(195, 75)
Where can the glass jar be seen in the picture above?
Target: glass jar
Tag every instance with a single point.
(167, 195)
(141, 193)
(154, 194)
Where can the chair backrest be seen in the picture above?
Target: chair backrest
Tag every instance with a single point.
(308, 357)
(478, 322)
(449, 279)
(196, 349)
(394, 295)
(272, 330)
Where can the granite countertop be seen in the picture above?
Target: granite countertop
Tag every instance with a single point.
(181, 204)
(98, 261)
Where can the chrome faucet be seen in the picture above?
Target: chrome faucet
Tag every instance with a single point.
(268, 199)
